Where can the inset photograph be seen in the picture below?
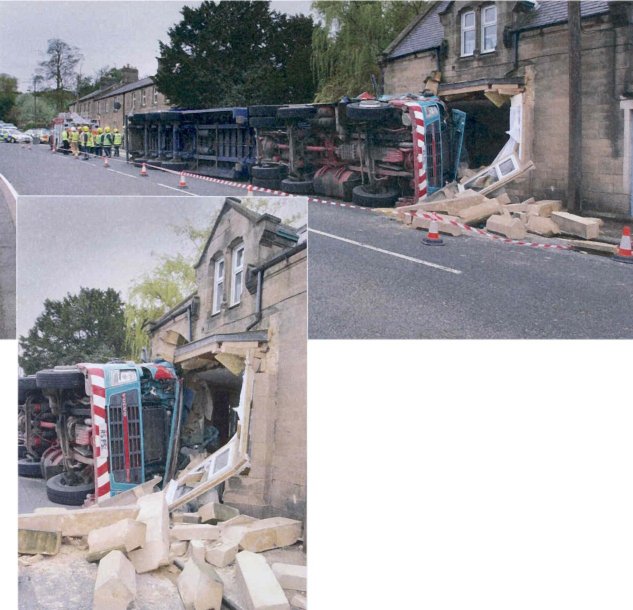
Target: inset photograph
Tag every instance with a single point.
(162, 402)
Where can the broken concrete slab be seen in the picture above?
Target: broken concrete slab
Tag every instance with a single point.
(155, 551)
(506, 225)
(178, 548)
(540, 225)
(29, 560)
(272, 533)
(299, 602)
(39, 542)
(594, 246)
(77, 522)
(503, 199)
(198, 549)
(185, 518)
(115, 586)
(570, 224)
(221, 554)
(130, 496)
(544, 207)
(214, 512)
(194, 531)
(200, 587)
(444, 226)
(258, 583)
(480, 212)
(125, 535)
(291, 576)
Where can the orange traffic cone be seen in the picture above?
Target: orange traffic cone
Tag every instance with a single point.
(106, 163)
(249, 190)
(143, 170)
(433, 236)
(182, 184)
(624, 253)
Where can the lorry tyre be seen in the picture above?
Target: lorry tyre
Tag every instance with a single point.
(60, 379)
(369, 110)
(29, 468)
(21, 451)
(361, 196)
(262, 110)
(25, 384)
(273, 185)
(268, 172)
(296, 187)
(296, 112)
(265, 122)
(60, 491)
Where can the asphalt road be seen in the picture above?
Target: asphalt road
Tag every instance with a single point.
(7, 263)
(39, 172)
(477, 288)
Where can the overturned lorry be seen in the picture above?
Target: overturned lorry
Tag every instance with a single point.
(365, 150)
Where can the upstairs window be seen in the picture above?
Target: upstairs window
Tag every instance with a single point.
(238, 275)
(155, 96)
(133, 100)
(218, 285)
(143, 97)
(488, 29)
(468, 33)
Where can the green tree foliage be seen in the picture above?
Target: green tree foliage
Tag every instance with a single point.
(236, 53)
(348, 42)
(8, 96)
(59, 69)
(84, 327)
(31, 112)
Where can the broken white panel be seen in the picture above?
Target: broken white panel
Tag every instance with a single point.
(500, 169)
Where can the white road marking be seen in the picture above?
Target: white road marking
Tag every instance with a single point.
(179, 190)
(13, 192)
(389, 252)
(122, 173)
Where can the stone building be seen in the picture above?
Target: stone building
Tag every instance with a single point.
(112, 104)
(247, 318)
(506, 64)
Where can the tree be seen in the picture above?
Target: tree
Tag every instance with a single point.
(59, 69)
(31, 112)
(348, 42)
(236, 53)
(85, 327)
(8, 95)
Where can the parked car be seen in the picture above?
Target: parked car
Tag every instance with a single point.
(15, 136)
(42, 134)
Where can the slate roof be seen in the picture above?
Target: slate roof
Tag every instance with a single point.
(428, 32)
(139, 84)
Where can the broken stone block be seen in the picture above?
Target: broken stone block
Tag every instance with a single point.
(258, 583)
(299, 602)
(480, 212)
(594, 246)
(214, 511)
(271, 533)
(512, 228)
(221, 554)
(30, 560)
(185, 518)
(570, 224)
(200, 587)
(115, 586)
(462, 201)
(443, 226)
(405, 217)
(130, 496)
(516, 208)
(125, 535)
(39, 542)
(542, 226)
(178, 548)
(194, 531)
(198, 549)
(545, 207)
(291, 576)
(503, 198)
(155, 551)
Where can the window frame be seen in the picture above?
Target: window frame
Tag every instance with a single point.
(235, 270)
(485, 25)
(463, 30)
(216, 305)
(155, 96)
(143, 98)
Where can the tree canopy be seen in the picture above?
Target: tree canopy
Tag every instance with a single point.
(348, 42)
(83, 327)
(8, 96)
(236, 53)
(59, 69)
(32, 112)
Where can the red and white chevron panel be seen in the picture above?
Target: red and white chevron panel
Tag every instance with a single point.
(95, 388)
(419, 150)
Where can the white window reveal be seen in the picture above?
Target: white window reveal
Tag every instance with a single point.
(218, 286)
(468, 33)
(238, 275)
(488, 29)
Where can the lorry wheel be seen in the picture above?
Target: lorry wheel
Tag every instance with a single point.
(60, 491)
(29, 468)
(21, 451)
(25, 384)
(262, 110)
(297, 187)
(361, 196)
(268, 172)
(60, 379)
(296, 112)
(368, 110)
(273, 185)
(265, 122)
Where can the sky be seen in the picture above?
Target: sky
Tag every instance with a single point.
(66, 243)
(106, 33)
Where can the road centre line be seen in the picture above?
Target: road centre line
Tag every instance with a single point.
(389, 252)
(122, 173)
(177, 189)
